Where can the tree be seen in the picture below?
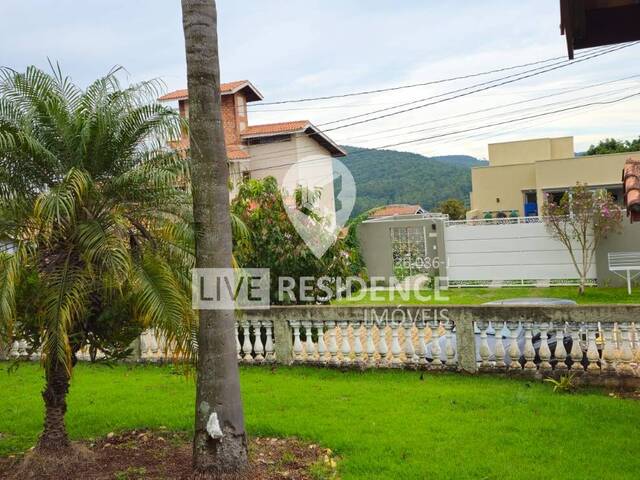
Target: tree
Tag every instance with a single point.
(454, 208)
(99, 236)
(218, 382)
(274, 243)
(580, 221)
(612, 145)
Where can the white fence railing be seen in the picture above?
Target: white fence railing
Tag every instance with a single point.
(495, 221)
(597, 341)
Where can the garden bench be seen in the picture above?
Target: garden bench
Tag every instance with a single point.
(625, 262)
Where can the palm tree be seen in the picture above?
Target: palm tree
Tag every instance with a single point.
(218, 384)
(94, 213)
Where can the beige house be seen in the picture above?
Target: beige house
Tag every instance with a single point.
(294, 152)
(521, 173)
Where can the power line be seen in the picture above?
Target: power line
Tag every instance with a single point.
(364, 150)
(497, 107)
(513, 120)
(414, 85)
(484, 86)
(511, 80)
(278, 153)
(503, 114)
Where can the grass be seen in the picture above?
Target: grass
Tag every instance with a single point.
(381, 424)
(477, 296)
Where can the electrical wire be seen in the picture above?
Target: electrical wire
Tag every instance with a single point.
(414, 85)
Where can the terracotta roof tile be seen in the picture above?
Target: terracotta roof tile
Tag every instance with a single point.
(631, 183)
(225, 88)
(270, 128)
(234, 152)
(397, 209)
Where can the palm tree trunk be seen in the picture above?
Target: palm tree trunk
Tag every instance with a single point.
(54, 435)
(218, 384)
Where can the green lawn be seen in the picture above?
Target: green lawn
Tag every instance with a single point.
(476, 296)
(383, 424)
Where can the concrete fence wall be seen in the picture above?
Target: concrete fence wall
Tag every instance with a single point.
(512, 252)
(598, 344)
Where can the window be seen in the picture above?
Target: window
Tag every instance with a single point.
(269, 139)
(409, 250)
(531, 197)
(241, 106)
(617, 193)
(246, 175)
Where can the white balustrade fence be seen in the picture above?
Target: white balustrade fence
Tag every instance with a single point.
(597, 341)
(369, 344)
(255, 342)
(596, 347)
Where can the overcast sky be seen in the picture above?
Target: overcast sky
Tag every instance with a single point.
(291, 49)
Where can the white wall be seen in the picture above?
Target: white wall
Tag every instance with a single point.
(311, 163)
(507, 252)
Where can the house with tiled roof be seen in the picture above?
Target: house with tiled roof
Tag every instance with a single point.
(396, 209)
(258, 151)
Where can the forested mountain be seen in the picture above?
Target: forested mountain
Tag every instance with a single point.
(388, 176)
(463, 160)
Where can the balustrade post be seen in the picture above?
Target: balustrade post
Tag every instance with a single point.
(333, 346)
(246, 342)
(436, 362)
(238, 346)
(371, 348)
(322, 349)
(560, 352)
(450, 351)
(283, 341)
(635, 344)
(409, 352)
(592, 351)
(395, 345)
(499, 350)
(626, 355)
(345, 347)
(357, 343)
(382, 345)
(297, 345)
(309, 347)
(514, 350)
(576, 351)
(465, 343)
(529, 351)
(422, 347)
(485, 353)
(544, 352)
(609, 350)
(268, 344)
(258, 347)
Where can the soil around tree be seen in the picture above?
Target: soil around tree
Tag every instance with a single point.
(150, 455)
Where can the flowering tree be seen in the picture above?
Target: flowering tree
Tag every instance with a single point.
(581, 220)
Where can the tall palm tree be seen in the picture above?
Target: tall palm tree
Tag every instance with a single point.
(94, 212)
(218, 384)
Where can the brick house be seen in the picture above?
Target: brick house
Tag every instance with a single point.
(292, 149)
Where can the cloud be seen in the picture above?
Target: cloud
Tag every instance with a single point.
(321, 47)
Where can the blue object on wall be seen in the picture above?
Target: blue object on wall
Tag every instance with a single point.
(530, 209)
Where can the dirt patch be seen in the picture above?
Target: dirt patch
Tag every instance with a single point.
(147, 455)
(628, 395)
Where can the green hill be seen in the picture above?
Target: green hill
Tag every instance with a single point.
(388, 176)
